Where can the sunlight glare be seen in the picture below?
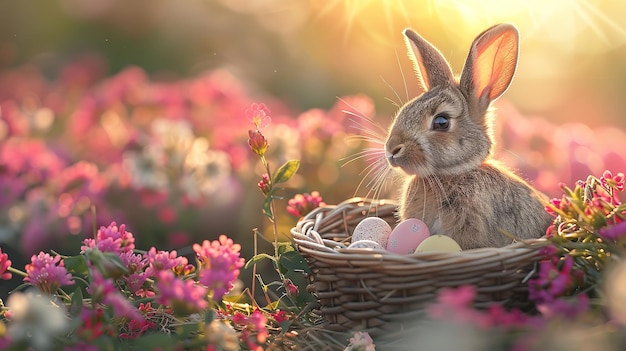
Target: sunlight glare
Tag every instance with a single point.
(563, 23)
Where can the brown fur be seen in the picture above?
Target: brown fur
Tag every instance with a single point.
(452, 182)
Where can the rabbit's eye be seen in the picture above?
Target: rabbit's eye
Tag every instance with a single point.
(441, 123)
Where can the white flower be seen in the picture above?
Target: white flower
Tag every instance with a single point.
(361, 341)
(35, 319)
(205, 170)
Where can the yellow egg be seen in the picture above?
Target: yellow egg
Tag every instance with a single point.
(439, 243)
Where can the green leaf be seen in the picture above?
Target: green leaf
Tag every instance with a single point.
(285, 246)
(76, 265)
(293, 261)
(258, 258)
(76, 304)
(267, 207)
(286, 171)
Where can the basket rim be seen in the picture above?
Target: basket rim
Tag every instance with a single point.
(308, 240)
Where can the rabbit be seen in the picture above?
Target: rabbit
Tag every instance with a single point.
(442, 142)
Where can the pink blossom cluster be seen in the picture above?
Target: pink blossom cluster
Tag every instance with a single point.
(78, 151)
(456, 305)
(119, 277)
(547, 153)
(255, 331)
(219, 265)
(301, 204)
(47, 273)
(5, 263)
(111, 239)
(184, 296)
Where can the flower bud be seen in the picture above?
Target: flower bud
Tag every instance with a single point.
(257, 141)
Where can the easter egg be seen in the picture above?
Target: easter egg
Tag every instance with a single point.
(365, 244)
(441, 243)
(372, 228)
(406, 236)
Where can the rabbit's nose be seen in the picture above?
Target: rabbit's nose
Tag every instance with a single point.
(395, 152)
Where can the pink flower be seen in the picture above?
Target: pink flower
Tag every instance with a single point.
(162, 260)
(103, 290)
(255, 331)
(111, 239)
(5, 263)
(555, 278)
(265, 184)
(47, 273)
(259, 114)
(219, 265)
(614, 232)
(184, 296)
(92, 324)
(568, 308)
(455, 304)
(280, 316)
(135, 282)
(132, 261)
(613, 182)
(301, 204)
(290, 287)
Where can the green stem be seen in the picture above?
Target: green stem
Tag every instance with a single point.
(272, 206)
(17, 271)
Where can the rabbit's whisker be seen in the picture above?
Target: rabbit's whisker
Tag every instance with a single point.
(369, 154)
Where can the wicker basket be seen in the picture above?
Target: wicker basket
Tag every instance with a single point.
(376, 291)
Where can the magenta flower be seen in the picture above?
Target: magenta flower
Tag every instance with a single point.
(47, 273)
(568, 308)
(302, 204)
(103, 290)
(613, 182)
(290, 287)
(554, 279)
(455, 304)
(265, 184)
(184, 296)
(259, 114)
(219, 265)
(111, 239)
(135, 282)
(614, 232)
(162, 260)
(5, 263)
(132, 261)
(255, 331)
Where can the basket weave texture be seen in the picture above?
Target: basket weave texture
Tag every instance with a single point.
(378, 291)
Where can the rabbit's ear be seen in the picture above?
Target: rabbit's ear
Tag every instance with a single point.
(490, 64)
(432, 68)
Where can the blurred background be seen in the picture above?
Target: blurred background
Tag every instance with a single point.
(135, 111)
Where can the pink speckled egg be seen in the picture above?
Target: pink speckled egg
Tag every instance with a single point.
(374, 229)
(365, 244)
(407, 236)
(439, 243)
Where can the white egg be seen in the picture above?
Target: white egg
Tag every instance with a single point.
(372, 228)
(365, 244)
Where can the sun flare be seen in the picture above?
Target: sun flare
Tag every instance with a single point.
(564, 22)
